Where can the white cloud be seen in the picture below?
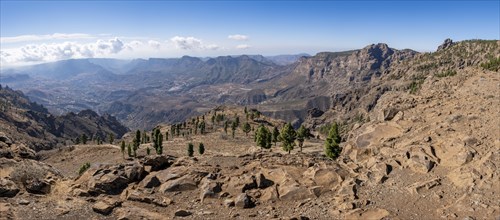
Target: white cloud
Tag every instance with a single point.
(154, 44)
(243, 46)
(58, 51)
(56, 36)
(191, 43)
(238, 37)
(135, 44)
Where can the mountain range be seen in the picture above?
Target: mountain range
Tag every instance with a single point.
(141, 93)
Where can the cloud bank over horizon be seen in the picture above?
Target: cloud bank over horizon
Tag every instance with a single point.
(32, 49)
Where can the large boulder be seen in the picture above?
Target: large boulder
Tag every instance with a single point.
(157, 162)
(184, 183)
(244, 201)
(105, 207)
(37, 186)
(8, 188)
(293, 191)
(209, 188)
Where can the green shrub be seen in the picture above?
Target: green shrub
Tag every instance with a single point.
(446, 73)
(493, 64)
(84, 168)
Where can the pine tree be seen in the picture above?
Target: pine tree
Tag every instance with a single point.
(245, 110)
(237, 120)
(262, 137)
(246, 128)
(148, 151)
(302, 134)
(84, 139)
(159, 145)
(201, 149)
(111, 138)
(166, 136)
(77, 140)
(122, 148)
(202, 127)
(226, 124)
(233, 127)
(129, 150)
(137, 140)
(190, 149)
(332, 147)
(275, 135)
(287, 137)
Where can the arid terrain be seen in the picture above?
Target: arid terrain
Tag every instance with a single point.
(419, 138)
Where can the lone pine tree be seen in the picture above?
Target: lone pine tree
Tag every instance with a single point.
(190, 149)
(332, 147)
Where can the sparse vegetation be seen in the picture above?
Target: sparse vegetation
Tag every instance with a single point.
(83, 168)
(493, 64)
(446, 73)
(415, 85)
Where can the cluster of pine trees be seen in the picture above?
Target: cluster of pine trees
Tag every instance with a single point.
(263, 136)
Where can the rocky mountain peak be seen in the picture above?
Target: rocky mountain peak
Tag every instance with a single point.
(446, 44)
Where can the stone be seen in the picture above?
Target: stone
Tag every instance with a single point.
(24, 152)
(229, 203)
(372, 214)
(37, 186)
(244, 201)
(105, 207)
(418, 187)
(421, 164)
(209, 189)
(134, 172)
(184, 183)
(262, 182)
(157, 162)
(23, 202)
(8, 188)
(108, 182)
(269, 194)
(291, 190)
(315, 112)
(182, 213)
(5, 139)
(150, 181)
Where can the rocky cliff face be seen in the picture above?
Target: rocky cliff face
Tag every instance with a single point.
(33, 125)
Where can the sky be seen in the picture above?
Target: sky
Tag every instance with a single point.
(44, 31)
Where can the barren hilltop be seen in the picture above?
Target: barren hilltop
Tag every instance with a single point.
(375, 133)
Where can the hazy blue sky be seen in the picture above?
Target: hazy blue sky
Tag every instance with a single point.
(37, 31)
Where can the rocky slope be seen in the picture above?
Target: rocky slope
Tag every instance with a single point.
(32, 124)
